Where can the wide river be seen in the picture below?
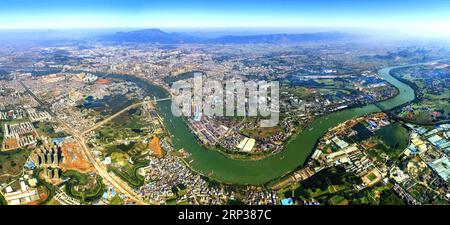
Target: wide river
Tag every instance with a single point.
(221, 168)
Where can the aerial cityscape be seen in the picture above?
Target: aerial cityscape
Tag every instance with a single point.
(225, 103)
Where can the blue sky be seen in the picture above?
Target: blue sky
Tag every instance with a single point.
(419, 15)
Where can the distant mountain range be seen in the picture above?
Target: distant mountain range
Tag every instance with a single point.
(161, 37)
(150, 36)
(279, 38)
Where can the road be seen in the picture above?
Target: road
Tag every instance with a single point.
(119, 185)
(103, 122)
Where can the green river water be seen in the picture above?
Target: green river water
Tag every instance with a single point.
(221, 168)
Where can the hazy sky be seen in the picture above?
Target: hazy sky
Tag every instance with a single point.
(414, 16)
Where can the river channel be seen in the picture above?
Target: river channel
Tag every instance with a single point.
(219, 167)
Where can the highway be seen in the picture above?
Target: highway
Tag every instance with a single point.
(118, 184)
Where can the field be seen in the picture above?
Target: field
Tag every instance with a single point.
(333, 186)
(433, 94)
(74, 158)
(427, 111)
(130, 173)
(11, 163)
(338, 200)
(46, 129)
(116, 200)
(388, 197)
(127, 139)
(129, 125)
(371, 178)
(107, 106)
(84, 187)
(302, 93)
(332, 83)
